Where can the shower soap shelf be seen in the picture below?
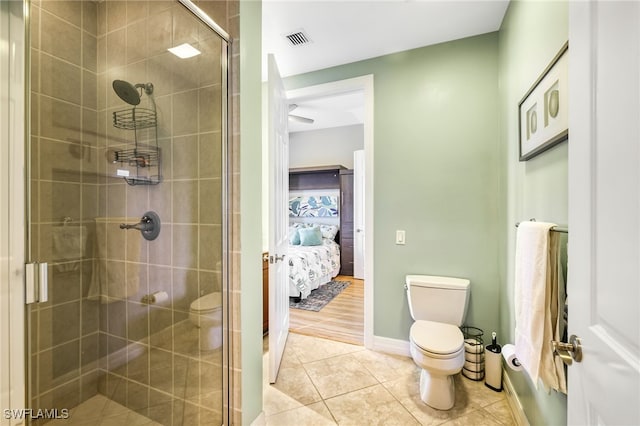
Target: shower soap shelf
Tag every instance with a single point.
(139, 158)
(140, 164)
(134, 118)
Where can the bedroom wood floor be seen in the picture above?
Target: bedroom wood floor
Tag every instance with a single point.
(341, 320)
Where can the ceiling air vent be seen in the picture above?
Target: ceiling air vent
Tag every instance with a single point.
(298, 38)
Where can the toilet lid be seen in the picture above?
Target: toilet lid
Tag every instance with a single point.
(207, 302)
(436, 337)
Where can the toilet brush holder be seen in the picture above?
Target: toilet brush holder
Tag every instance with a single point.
(493, 365)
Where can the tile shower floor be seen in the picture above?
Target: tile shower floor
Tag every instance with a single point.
(322, 382)
(101, 411)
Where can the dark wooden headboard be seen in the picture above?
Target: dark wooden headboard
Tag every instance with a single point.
(322, 177)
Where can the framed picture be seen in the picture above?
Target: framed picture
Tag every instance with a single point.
(543, 112)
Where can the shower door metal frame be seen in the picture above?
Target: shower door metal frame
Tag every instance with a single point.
(15, 190)
(14, 82)
(227, 378)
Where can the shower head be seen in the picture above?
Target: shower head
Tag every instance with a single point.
(129, 93)
(126, 91)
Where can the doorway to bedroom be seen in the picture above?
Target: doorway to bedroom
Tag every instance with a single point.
(326, 192)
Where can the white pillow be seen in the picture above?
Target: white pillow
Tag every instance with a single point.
(329, 231)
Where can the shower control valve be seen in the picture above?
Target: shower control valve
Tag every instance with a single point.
(149, 225)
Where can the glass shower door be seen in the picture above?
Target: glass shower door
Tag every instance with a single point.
(127, 189)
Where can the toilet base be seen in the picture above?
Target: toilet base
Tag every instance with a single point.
(437, 391)
(210, 338)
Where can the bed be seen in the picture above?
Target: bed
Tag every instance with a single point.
(312, 266)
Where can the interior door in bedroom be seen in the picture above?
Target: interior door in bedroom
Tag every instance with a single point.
(278, 219)
(358, 214)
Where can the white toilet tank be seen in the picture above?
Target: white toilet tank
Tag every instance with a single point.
(440, 299)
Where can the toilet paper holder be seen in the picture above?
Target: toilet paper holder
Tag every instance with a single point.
(568, 352)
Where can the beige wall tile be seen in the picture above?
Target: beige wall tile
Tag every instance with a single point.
(90, 17)
(60, 120)
(67, 41)
(137, 10)
(116, 14)
(185, 113)
(209, 247)
(185, 205)
(34, 26)
(116, 48)
(60, 80)
(89, 51)
(160, 28)
(136, 41)
(185, 157)
(210, 109)
(210, 154)
(64, 9)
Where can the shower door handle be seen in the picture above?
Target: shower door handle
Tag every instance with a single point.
(36, 282)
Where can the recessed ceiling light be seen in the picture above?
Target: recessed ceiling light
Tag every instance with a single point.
(184, 51)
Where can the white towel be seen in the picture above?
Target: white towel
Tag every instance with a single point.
(69, 242)
(531, 306)
(115, 274)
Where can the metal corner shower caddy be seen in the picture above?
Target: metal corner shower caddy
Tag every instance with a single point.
(140, 164)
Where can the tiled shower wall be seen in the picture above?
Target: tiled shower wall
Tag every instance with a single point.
(64, 184)
(145, 357)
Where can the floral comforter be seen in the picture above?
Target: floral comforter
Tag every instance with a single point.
(312, 266)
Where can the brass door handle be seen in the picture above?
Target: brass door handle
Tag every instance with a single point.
(568, 352)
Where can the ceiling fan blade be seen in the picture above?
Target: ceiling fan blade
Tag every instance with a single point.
(301, 119)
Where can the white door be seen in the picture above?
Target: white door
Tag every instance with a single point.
(358, 214)
(278, 219)
(604, 213)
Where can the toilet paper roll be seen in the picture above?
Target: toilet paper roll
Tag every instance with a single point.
(471, 357)
(473, 346)
(473, 375)
(158, 297)
(509, 355)
(473, 366)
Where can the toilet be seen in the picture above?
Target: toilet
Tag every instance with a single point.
(206, 313)
(438, 306)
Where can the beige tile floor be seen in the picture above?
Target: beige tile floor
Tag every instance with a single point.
(101, 411)
(322, 382)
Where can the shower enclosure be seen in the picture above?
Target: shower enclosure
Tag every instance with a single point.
(127, 211)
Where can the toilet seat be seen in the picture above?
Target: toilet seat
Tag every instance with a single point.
(207, 303)
(436, 339)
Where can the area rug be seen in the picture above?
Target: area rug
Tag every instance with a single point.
(319, 297)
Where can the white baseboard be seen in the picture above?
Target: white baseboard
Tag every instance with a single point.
(514, 401)
(391, 346)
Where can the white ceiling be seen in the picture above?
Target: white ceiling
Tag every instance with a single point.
(345, 109)
(342, 32)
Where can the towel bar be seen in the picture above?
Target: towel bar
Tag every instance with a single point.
(554, 229)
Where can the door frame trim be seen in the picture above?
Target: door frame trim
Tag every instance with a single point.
(364, 83)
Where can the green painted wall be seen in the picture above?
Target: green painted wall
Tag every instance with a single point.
(532, 33)
(250, 195)
(436, 172)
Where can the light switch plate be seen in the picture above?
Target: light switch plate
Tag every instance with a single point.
(400, 237)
